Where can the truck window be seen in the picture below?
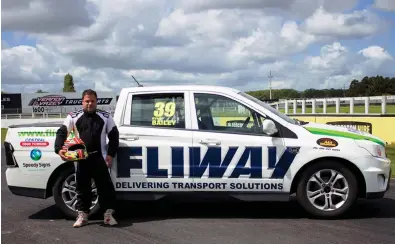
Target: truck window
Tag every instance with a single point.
(222, 114)
(158, 110)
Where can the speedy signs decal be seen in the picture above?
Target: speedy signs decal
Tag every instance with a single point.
(351, 135)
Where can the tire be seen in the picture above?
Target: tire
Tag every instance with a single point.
(59, 198)
(307, 181)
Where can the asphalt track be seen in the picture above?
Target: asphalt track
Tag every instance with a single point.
(28, 220)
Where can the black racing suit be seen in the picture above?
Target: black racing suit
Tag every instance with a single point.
(93, 129)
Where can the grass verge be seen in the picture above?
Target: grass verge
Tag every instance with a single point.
(3, 134)
(390, 150)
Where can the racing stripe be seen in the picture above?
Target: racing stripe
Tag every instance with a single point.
(350, 135)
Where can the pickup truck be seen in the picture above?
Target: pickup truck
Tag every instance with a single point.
(209, 140)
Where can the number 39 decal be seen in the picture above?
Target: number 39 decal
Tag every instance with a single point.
(166, 110)
(162, 109)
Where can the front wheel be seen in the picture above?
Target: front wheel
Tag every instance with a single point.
(327, 189)
(65, 195)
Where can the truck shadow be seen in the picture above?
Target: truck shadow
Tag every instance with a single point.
(137, 212)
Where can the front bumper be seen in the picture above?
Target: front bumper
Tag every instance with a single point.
(377, 174)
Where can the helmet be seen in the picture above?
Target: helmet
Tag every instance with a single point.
(75, 149)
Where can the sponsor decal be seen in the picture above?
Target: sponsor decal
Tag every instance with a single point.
(35, 154)
(46, 133)
(34, 142)
(200, 185)
(36, 166)
(213, 161)
(326, 149)
(164, 114)
(256, 168)
(327, 142)
(58, 100)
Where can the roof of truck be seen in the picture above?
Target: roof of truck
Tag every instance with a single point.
(182, 87)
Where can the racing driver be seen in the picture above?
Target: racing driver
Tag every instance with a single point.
(92, 126)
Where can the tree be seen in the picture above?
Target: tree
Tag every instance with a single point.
(68, 85)
(368, 86)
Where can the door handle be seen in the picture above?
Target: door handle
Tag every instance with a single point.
(128, 137)
(210, 142)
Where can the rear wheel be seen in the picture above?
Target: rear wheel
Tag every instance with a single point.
(327, 189)
(65, 195)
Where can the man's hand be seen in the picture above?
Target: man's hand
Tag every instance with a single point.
(108, 161)
(61, 154)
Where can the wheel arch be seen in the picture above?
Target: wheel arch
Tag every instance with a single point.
(354, 169)
(54, 176)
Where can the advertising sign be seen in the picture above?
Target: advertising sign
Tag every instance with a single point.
(64, 102)
(356, 125)
(11, 103)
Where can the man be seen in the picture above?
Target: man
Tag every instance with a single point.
(92, 126)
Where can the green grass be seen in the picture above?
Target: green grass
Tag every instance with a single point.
(3, 134)
(374, 109)
(390, 150)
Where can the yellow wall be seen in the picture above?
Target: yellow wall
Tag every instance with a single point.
(383, 127)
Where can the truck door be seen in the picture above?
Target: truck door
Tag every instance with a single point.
(154, 142)
(230, 151)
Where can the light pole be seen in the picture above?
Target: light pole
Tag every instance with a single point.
(270, 84)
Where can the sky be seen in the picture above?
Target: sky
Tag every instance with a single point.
(320, 44)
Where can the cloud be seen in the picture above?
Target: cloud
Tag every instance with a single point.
(358, 24)
(376, 53)
(297, 8)
(230, 43)
(44, 16)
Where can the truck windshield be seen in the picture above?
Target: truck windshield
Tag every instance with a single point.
(268, 107)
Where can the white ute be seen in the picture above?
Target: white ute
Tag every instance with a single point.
(208, 139)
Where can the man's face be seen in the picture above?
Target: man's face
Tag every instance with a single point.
(89, 103)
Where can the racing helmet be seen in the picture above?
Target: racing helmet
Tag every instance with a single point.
(75, 149)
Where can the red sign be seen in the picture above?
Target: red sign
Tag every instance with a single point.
(34, 143)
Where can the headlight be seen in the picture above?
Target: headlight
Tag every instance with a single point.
(374, 149)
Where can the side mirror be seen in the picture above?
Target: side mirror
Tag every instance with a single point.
(269, 127)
